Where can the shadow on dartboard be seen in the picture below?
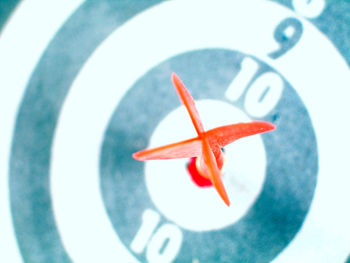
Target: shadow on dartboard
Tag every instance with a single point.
(101, 90)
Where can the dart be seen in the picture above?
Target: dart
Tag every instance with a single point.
(207, 145)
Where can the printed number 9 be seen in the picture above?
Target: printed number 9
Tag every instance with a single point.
(287, 34)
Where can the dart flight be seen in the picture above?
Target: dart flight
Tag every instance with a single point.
(207, 145)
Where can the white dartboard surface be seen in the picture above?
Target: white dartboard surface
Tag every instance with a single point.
(84, 84)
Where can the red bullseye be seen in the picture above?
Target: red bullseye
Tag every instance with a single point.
(196, 177)
(193, 168)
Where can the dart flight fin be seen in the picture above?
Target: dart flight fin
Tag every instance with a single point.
(188, 101)
(184, 149)
(223, 135)
(214, 173)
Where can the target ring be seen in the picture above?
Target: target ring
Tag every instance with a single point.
(39, 123)
(178, 197)
(130, 124)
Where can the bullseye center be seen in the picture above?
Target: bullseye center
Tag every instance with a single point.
(172, 189)
(198, 178)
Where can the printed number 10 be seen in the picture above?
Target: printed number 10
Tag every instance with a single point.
(262, 94)
(162, 245)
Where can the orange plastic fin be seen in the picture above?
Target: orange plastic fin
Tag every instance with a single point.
(184, 149)
(212, 169)
(219, 156)
(188, 101)
(227, 134)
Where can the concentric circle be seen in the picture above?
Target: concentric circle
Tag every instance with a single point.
(288, 169)
(174, 193)
(35, 225)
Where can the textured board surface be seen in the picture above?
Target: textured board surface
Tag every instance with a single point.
(84, 84)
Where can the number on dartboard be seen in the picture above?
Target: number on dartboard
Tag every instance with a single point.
(248, 69)
(162, 244)
(262, 95)
(287, 34)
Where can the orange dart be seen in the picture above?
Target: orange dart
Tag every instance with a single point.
(207, 145)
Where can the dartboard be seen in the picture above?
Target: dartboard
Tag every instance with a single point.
(85, 84)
